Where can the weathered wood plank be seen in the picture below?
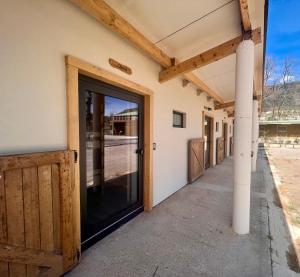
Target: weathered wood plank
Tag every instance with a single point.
(14, 207)
(224, 105)
(69, 253)
(75, 188)
(45, 263)
(245, 18)
(22, 255)
(212, 55)
(73, 143)
(111, 19)
(31, 208)
(4, 270)
(148, 157)
(30, 160)
(3, 224)
(195, 159)
(15, 215)
(56, 206)
(31, 213)
(16, 269)
(102, 12)
(220, 150)
(46, 209)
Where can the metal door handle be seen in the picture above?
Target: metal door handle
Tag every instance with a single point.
(140, 151)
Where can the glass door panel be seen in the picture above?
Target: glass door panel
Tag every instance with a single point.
(111, 187)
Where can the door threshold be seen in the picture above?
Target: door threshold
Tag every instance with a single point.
(110, 228)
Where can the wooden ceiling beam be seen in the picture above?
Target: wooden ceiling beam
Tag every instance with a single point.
(201, 85)
(219, 52)
(224, 105)
(111, 19)
(232, 103)
(185, 82)
(103, 13)
(231, 114)
(245, 18)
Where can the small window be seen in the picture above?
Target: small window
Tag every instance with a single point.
(217, 126)
(178, 119)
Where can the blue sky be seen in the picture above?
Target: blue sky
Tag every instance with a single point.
(283, 38)
(114, 105)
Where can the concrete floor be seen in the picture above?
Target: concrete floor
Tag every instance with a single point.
(190, 234)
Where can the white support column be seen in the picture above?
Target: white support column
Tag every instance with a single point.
(243, 136)
(255, 130)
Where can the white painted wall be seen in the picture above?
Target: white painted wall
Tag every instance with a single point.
(35, 36)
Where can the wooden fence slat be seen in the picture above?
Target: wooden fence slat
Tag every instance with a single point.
(76, 207)
(15, 215)
(4, 270)
(22, 255)
(69, 252)
(30, 160)
(46, 208)
(31, 213)
(220, 150)
(3, 225)
(16, 269)
(31, 208)
(56, 206)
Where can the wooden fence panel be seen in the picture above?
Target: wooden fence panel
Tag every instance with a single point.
(196, 164)
(220, 150)
(36, 215)
(231, 146)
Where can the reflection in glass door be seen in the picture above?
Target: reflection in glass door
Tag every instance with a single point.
(110, 158)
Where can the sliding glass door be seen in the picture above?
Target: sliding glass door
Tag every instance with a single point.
(111, 149)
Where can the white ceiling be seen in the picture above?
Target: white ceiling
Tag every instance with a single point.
(216, 22)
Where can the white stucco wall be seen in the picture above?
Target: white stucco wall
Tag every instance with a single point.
(35, 36)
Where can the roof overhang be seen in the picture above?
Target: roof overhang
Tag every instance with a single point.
(185, 29)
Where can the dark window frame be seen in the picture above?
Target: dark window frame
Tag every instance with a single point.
(182, 119)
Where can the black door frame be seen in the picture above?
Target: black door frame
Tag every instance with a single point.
(96, 86)
(212, 134)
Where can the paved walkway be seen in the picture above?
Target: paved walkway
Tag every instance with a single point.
(190, 234)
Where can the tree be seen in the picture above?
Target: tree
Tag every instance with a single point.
(278, 87)
(285, 96)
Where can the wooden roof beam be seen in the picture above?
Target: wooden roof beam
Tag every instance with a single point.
(232, 103)
(225, 105)
(201, 85)
(219, 52)
(103, 13)
(231, 114)
(111, 19)
(245, 18)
